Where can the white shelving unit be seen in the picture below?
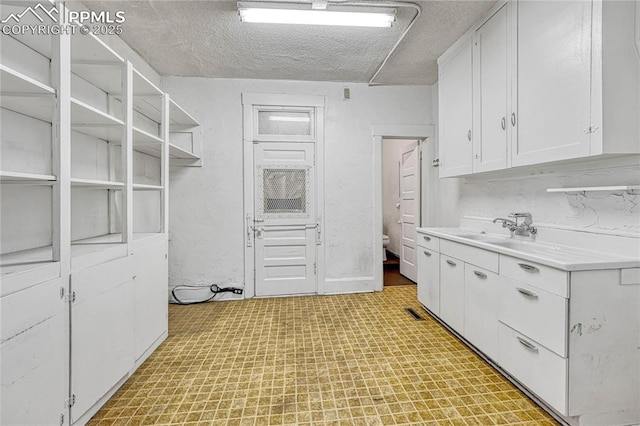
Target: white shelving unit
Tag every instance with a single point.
(84, 205)
(630, 189)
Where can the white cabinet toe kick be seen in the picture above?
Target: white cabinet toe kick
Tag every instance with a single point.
(570, 339)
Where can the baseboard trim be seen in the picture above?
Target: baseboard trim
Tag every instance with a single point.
(349, 285)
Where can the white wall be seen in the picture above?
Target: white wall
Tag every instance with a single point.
(207, 227)
(391, 156)
(524, 189)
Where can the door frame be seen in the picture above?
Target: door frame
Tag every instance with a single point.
(249, 100)
(380, 132)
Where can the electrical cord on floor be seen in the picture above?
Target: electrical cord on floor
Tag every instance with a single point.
(214, 288)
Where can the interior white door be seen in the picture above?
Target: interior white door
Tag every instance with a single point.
(284, 218)
(409, 210)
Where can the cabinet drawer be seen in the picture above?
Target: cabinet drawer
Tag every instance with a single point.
(479, 257)
(550, 279)
(428, 242)
(533, 365)
(537, 313)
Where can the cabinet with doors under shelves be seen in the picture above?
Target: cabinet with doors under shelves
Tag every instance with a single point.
(84, 198)
(552, 82)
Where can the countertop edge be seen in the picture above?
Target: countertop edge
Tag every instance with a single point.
(622, 263)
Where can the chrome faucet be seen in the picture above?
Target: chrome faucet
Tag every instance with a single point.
(524, 229)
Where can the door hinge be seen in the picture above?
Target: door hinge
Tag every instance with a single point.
(315, 268)
(71, 401)
(590, 129)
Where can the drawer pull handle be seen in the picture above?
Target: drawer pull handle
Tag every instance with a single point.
(426, 238)
(528, 267)
(480, 274)
(527, 293)
(528, 345)
(451, 262)
(427, 253)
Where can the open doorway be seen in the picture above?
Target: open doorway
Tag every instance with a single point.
(425, 135)
(400, 209)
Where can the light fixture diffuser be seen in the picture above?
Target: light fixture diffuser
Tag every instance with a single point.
(283, 13)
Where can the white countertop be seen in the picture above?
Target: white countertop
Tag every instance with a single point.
(558, 256)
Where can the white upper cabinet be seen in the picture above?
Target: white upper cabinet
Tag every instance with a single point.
(491, 91)
(553, 116)
(552, 81)
(455, 94)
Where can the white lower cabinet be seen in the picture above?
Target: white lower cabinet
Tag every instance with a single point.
(538, 368)
(452, 292)
(481, 301)
(102, 321)
(570, 338)
(429, 279)
(34, 366)
(150, 283)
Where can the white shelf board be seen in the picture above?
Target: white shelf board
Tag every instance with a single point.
(177, 152)
(145, 187)
(95, 62)
(40, 107)
(111, 133)
(614, 188)
(179, 119)
(83, 114)
(24, 95)
(15, 83)
(24, 269)
(19, 177)
(107, 78)
(88, 48)
(143, 87)
(41, 43)
(143, 137)
(97, 184)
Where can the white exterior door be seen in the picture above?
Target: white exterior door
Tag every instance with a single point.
(285, 227)
(409, 210)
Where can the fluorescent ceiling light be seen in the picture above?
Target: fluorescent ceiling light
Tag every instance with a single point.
(271, 13)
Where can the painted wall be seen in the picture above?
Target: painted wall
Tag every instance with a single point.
(207, 227)
(391, 155)
(524, 189)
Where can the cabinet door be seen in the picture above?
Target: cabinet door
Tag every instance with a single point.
(481, 295)
(34, 363)
(150, 284)
(455, 93)
(452, 292)
(101, 331)
(553, 81)
(429, 279)
(491, 94)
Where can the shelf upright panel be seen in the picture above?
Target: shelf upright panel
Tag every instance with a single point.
(164, 163)
(127, 155)
(61, 168)
(61, 147)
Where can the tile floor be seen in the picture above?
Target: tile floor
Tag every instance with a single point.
(346, 360)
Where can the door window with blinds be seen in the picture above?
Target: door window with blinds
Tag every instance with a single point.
(282, 124)
(282, 191)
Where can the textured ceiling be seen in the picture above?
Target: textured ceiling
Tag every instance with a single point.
(207, 39)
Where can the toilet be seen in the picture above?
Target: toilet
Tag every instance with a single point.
(385, 243)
